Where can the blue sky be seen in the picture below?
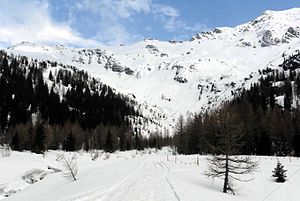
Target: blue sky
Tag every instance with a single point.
(85, 23)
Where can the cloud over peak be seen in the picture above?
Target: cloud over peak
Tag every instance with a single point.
(86, 23)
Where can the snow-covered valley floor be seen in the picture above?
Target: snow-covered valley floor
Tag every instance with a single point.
(137, 176)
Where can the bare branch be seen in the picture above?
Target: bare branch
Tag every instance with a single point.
(70, 164)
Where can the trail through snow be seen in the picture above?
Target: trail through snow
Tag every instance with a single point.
(149, 182)
(140, 176)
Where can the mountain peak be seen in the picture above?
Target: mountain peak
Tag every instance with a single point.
(282, 16)
(196, 75)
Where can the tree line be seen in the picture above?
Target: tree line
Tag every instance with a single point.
(45, 105)
(266, 117)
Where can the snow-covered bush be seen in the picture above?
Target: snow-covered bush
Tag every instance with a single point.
(59, 157)
(95, 154)
(279, 173)
(5, 150)
(34, 175)
(106, 156)
(70, 166)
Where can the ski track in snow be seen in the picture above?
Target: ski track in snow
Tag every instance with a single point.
(277, 188)
(145, 184)
(131, 176)
(89, 196)
(149, 181)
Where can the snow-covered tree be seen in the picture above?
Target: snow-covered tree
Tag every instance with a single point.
(279, 173)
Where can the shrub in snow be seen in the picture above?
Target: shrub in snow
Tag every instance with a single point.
(106, 156)
(54, 169)
(5, 150)
(34, 175)
(59, 157)
(95, 154)
(279, 173)
(70, 166)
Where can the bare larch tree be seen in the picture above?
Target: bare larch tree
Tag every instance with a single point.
(225, 162)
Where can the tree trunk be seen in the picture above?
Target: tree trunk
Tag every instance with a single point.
(225, 187)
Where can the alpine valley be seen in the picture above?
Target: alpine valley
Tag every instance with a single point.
(154, 120)
(169, 78)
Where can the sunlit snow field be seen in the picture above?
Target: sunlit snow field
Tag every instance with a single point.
(136, 176)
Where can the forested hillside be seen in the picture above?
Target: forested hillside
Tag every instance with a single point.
(264, 120)
(46, 105)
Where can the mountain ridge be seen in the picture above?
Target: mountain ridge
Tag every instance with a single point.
(179, 76)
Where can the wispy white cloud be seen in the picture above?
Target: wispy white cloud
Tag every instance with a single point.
(116, 34)
(113, 13)
(165, 10)
(109, 21)
(111, 18)
(24, 20)
(170, 17)
(115, 9)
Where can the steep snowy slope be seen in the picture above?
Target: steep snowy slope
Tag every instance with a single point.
(171, 78)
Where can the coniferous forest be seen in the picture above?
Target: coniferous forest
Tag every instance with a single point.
(266, 118)
(70, 110)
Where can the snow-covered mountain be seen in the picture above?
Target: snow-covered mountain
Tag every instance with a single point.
(174, 77)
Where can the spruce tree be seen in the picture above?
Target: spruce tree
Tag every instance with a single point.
(39, 138)
(15, 142)
(279, 173)
(296, 144)
(288, 96)
(109, 143)
(69, 142)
